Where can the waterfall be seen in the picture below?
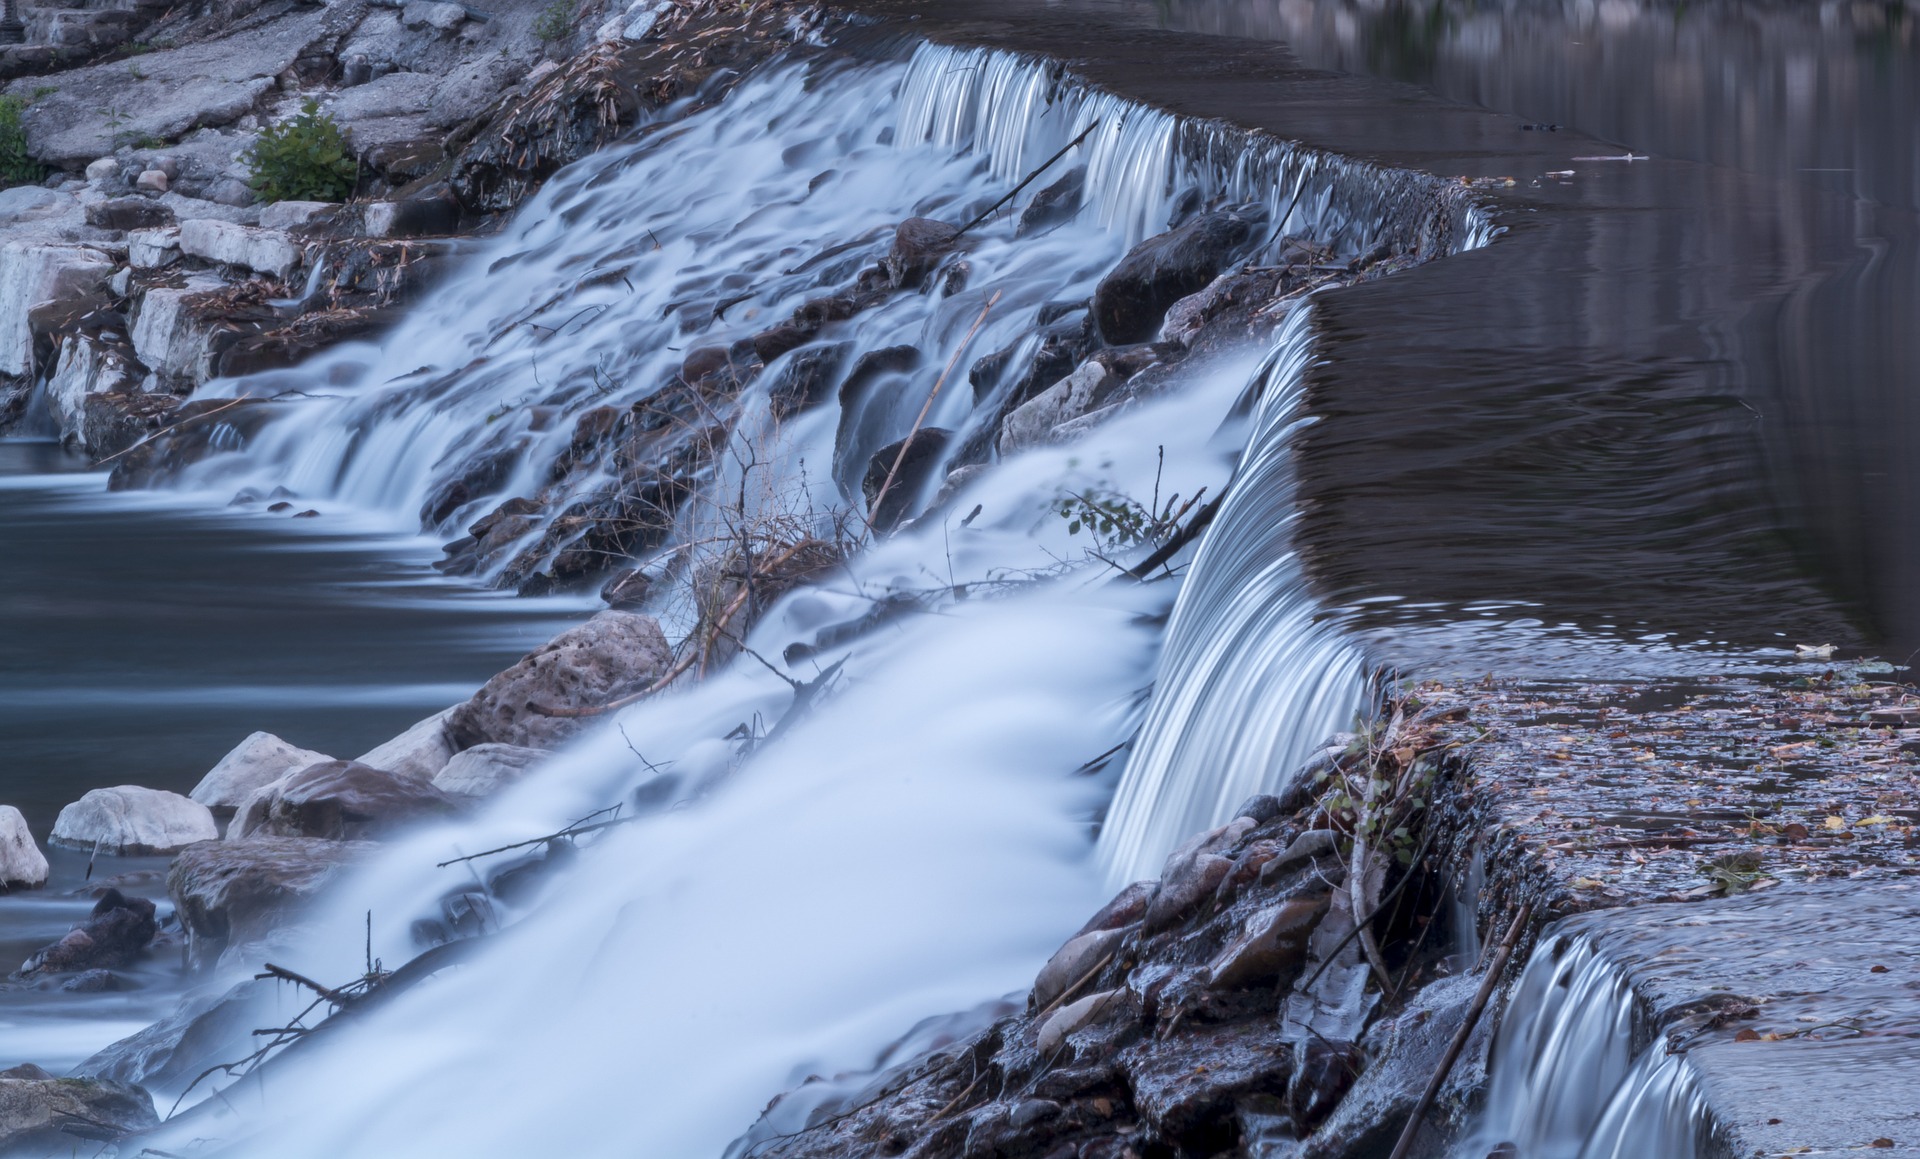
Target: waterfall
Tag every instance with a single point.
(1251, 679)
(1569, 1077)
(919, 842)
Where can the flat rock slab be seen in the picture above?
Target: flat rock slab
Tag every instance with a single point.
(169, 93)
(1795, 1007)
(1594, 794)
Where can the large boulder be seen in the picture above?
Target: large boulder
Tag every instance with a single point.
(485, 769)
(133, 821)
(40, 1114)
(115, 934)
(259, 760)
(613, 655)
(33, 275)
(235, 892)
(346, 800)
(22, 865)
(420, 752)
(1132, 299)
(925, 449)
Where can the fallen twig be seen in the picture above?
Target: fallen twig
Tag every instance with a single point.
(1487, 985)
(906, 443)
(1015, 192)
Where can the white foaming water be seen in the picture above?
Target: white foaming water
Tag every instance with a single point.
(918, 843)
(1566, 1082)
(1250, 680)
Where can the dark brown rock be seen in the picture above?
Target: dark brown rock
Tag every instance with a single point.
(236, 892)
(918, 245)
(124, 213)
(1131, 300)
(346, 800)
(117, 932)
(924, 451)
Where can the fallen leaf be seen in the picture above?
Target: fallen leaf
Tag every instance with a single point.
(1881, 1142)
(1747, 1036)
(1796, 831)
(1878, 970)
(1836, 823)
(1879, 819)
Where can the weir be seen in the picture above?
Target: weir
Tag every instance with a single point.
(643, 965)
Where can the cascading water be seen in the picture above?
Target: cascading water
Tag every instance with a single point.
(918, 842)
(1250, 679)
(1571, 1078)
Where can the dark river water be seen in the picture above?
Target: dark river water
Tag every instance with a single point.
(142, 636)
(1720, 349)
(1676, 398)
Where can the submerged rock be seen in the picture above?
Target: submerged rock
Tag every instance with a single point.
(134, 821)
(115, 934)
(257, 761)
(38, 1111)
(615, 654)
(1033, 422)
(924, 451)
(22, 865)
(918, 245)
(207, 1025)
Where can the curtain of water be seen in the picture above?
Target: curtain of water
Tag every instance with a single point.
(918, 843)
(1566, 1082)
(1250, 679)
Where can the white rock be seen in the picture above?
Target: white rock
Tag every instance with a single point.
(1069, 1018)
(153, 181)
(32, 274)
(121, 282)
(259, 760)
(21, 862)
(640, 18)
(165, 334)
(129, 819)
(432, 14)
(541, 71)
(261, 250)
(1031, 423)
(152, 249)
(287, 214)
(421, 751)
(485, 769)
(85, 367)
(102, 169)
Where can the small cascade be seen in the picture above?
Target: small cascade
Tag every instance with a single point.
(1251, 679)
(1572, 1075)
(778, 907)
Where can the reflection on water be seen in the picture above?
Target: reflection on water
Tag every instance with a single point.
(1822, 93)
(1701, 362)
(146, 636)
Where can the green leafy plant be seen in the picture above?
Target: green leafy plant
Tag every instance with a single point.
(1120, 521)
(554, 22)
(16, 166)
(304, 158)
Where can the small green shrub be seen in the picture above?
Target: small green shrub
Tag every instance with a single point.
(555, 22)
(305, 158)
(16, 167)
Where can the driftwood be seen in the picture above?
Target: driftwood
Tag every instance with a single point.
(1487, 985)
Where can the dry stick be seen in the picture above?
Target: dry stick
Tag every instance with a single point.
(1355, 931)
(907, 442)
(182, 423)
(1187, 533)
(1494, 969)
(1075, 988)
(1050, 162)
(281, 972)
